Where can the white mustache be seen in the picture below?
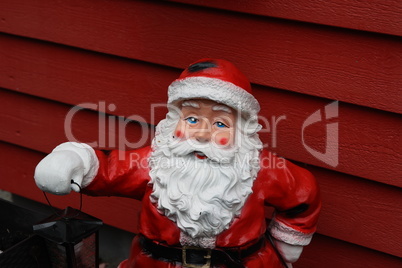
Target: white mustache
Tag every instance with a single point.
(212, 151)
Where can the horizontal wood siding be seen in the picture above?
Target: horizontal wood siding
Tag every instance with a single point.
(332, 253)
(382, 16)
(353, 66)
(115, 59)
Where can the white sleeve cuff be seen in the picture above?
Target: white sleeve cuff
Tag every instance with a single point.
(88, 156)
(286, 234)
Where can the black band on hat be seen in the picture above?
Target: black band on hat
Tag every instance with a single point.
(201, 66)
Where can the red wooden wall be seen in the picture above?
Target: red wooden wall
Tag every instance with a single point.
(299, 55)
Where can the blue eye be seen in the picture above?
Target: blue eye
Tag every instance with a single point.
(220, 124)
(192, 120)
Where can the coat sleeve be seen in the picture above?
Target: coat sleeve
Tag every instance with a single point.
(121, 173)
(294, 193)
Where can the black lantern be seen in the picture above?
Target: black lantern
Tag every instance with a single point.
(71, 239)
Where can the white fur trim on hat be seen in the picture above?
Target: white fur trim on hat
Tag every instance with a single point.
(214, 89)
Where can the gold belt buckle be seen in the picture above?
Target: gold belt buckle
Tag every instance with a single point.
(207, 258)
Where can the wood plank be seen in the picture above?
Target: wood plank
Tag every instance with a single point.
(359, 211)
(369, 140)
(333, 63)
(41, 125)
(382, 16)
(352, 209)
(81, 77)
(332, 253)
(361, 152)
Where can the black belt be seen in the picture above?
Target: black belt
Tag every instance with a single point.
(199, 257)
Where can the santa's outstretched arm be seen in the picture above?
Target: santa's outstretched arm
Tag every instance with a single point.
(77, 166)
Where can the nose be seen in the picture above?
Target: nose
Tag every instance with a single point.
(203, 132)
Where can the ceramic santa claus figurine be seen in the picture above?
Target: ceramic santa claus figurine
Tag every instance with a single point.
(204, 182)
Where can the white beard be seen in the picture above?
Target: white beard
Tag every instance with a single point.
(203, 196)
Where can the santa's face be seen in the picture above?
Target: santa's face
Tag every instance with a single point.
(204, 161)
(206, 121)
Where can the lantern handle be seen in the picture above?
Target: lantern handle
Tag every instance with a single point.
(56, 212)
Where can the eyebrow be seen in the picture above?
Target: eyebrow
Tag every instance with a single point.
(190, 104)
(221, 108)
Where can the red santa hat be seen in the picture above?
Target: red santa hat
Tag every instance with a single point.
(218, 80)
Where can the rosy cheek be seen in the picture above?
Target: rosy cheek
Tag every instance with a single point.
(223, 141)
(179, 134)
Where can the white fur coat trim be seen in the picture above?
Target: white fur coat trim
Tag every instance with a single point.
(286, 234)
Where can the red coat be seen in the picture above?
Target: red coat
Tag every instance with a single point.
(291, 190)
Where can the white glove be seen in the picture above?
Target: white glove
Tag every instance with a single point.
(290, 253)
(67, 163)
